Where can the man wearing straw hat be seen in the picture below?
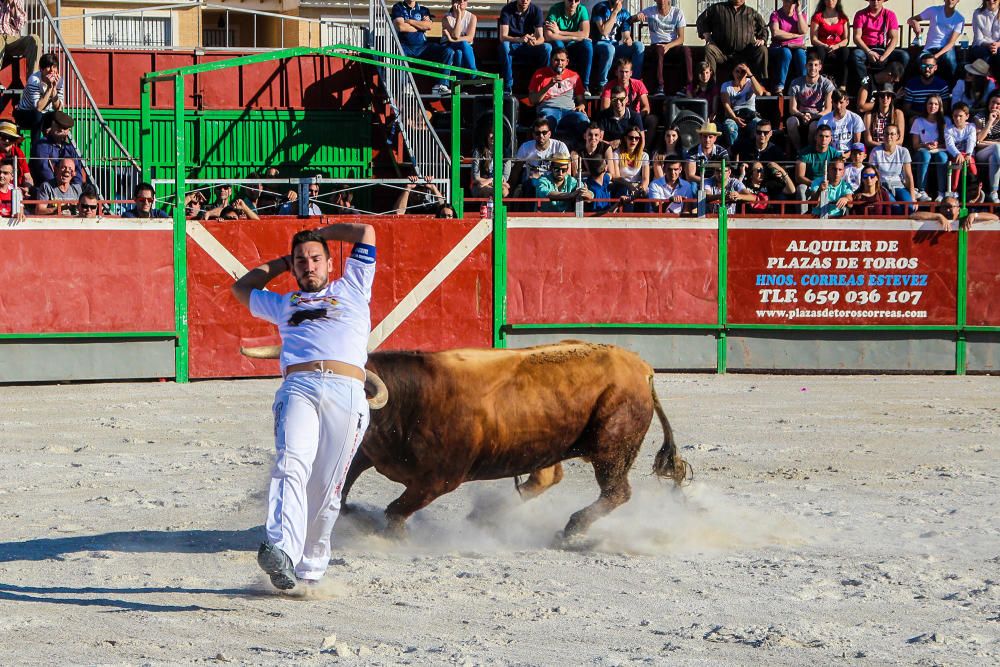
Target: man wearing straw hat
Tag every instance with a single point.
(10, 147)
(707, 150)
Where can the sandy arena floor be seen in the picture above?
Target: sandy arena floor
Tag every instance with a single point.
(833, 520)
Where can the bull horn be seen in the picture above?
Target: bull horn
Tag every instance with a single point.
(379, 392)
(261, 352)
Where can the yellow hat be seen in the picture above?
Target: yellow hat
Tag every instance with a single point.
(710, 128)
(9, 129)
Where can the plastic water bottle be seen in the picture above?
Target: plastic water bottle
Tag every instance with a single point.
(487, 209)
(919, 39)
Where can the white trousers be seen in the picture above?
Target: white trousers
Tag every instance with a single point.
(319, 421)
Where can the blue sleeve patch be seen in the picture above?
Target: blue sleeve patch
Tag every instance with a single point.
(363, 252)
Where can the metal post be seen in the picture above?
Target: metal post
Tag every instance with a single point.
(180, 235)
(457, 198)
(961, 352)
(146, 130)
(499, 224)
(721, 344)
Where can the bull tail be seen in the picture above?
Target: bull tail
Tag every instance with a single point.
(668, 463)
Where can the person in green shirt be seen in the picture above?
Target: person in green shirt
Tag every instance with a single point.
(835, 193)
(813, 160)
(561, 189)
(567, 26)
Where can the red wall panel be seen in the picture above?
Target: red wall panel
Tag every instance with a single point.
(984, 278)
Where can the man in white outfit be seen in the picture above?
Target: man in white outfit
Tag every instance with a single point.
(320, 410)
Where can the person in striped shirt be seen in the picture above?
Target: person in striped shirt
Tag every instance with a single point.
(919, 88)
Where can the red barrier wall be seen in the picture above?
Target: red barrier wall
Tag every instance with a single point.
(78, 278)
(458, 313)
(842, 276)
(584, 274)
(983, 307)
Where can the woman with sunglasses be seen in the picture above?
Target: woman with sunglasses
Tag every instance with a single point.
(894, 166)
(633, 166)
(870, 198)
(882, 116)
(767, 184)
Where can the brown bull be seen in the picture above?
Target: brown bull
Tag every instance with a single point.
(464, 415)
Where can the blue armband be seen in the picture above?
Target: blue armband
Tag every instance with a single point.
(363, 253)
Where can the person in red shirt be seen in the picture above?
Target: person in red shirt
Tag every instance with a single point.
(9, 148)
(558, 95)
(828, 35)
(10, 198)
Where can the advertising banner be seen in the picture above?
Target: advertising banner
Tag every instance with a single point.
(984, 276)
(842, 273)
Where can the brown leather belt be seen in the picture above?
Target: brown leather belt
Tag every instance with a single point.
(327, 366)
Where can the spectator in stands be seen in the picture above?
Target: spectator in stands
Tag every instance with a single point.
(412, 21)
(884, 115)
(223, 198)
(870, 198)
(768, 184)
(42, 95)
(810, 97)
(919, 88)
(10, 139)
(733, 33)
(666, 36)
(876, 36)
(670, 148)
(558, 94)
(833, 191)
(532, 158)
(947, 215)
(10, 195)
(616, 120)
(446, 212)
(52, 147)
(60, 188)
(559, 188)
(705, 88)
(458, 32)
(945, 26)
(739, 104)
(986, 34)
(638, 95)
(427, 198)
(598, 181)
(988, 144)
(828, 36)
(633, 166)
(145, 197)
(706, 151)
(269, 200)
(595, 156)
(960, 141)
(611, 32)
(521, 39)
(243, 211)
(761, 147)
(788, 44)
(13, 19)
(736, 192)
(927, 139)
(847, 126)
(895, 170)
(567, 27)
(227, 213)
(872, 83)
(855, 164)
(673, 189)
(343, 203)
(88, 205)
(483, 165)
(193, 206)
(813, 161)
(976, 86)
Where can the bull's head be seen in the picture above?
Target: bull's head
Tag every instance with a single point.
(378, 394)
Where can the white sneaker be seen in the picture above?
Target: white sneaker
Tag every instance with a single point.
(940, 197)
(922, 196)
(994, 198)
(441, 90)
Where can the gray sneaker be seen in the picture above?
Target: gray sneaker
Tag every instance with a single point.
(277, 565)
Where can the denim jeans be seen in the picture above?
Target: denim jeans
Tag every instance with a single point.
(787, 58)
(605, 53)
(464, 56)
(432, 51)
(922, 158)
(536, 56)
(581, 57)
(569, 124)
(901, 194)
(731, 130)
(859, 61)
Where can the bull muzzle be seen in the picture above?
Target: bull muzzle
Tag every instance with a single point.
(375, 389)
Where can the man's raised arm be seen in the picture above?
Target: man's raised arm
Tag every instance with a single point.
(258, 278)
(349, 232)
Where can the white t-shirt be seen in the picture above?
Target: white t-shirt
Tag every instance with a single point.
(741, 98)
(941, 27)
(660, 189)
(985, 27)
(843, 129)
(890, 167)
(535, 158)
(663, 29)
(852, 175)
(927, 131)
(340, 332)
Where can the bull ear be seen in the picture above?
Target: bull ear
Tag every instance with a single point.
(261, 352)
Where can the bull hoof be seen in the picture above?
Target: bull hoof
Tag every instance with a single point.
(572, 542)
(395, 531)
